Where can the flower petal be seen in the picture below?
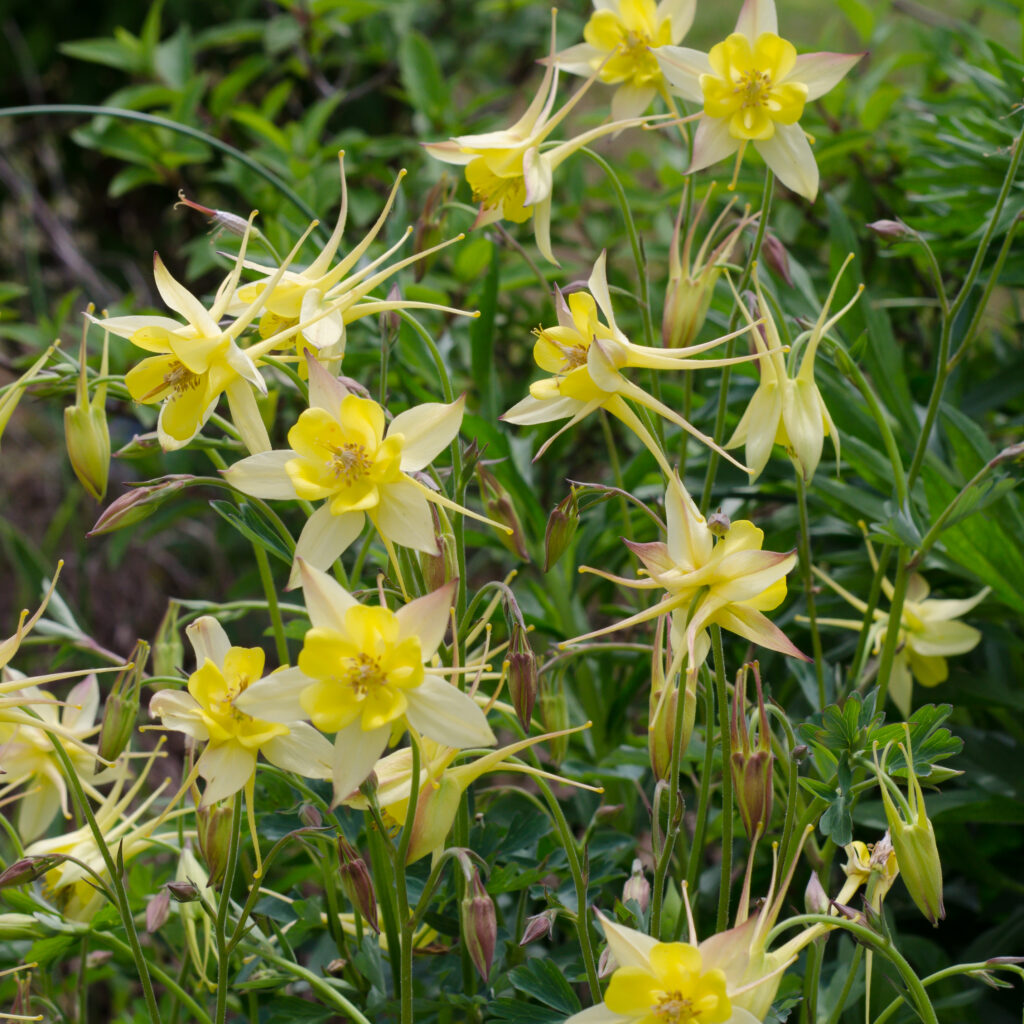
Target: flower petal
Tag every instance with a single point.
(821, 72)
(403, 516)
(355, 753)
(428, 429)
(304, 751)
(263, 475)
(788, 154)
(245, 414)
(179, 711)
(682, 68)
(445, 714)
(631, 101)
(327, 601)
(275, 698)
(227, 767)
(323, 539)
(208, 640)
(757, 17)
(711, 142)
(427, 618)
(181, 300)
(629, 947)
(944, 638)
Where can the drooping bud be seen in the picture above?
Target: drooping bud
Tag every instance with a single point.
(21, 926)
(213, 830)
(479, 925)
(719, 523)
(168, 650)
(891, 230)
(138, 504)
(539, 927)
(357, 883)
(310, 816)
(158, 909)
(121, 708)
(913, 838)
(499, 507)
(522, 674)
(182, 892)
(692, 278)
(230, 222)
(443, 567)
(774, 253)
(561, 528)
(637, 888)
(85, 425)
(28, 869)
(751, 761)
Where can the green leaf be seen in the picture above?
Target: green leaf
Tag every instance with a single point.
(110, 52)
(250, 524)
(481, 336)
(541, 979)
(421, 75)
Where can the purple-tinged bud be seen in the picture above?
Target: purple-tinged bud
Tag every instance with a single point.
(499, 507)
(606, 963)
(637, 888)
(816, 900)
(774, 253)
(310, 816)
(158, 909)
(230, 222)
(213, 830)
(799, 752)
(663, 707)
(430, 223)
(539, 927)
(719, 523)
(182, 892)
(28, 869)
(522, 675)
(891, 230)
(357, 883)
(479, 925)
(751, 762)
(138, 504)
(561, 528)
(121, 708)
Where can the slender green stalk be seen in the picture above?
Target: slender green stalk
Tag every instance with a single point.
(808, 577)
(405, 919)
(874, 594)
(892, 633)
(319, 985)
(182, 129)
(725, 738)
(83, 984)
(582, 906)
(851, 977)
(704, 797)
(267, 579)
(613, 458)
(812, 976)
(223, 905)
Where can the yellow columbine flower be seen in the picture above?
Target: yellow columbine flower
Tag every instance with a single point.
(753, 88)
(929, 632)
(788, 410)
(729, 582)
(234, 740)
(618, 41)
(509, 175)
(365, 673)
(586, 357)
(327, 298)
(342, 454)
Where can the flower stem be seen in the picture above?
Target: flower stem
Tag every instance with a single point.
(405, 920)
(704, 797)
(726, 743)
(318, 985)
(223, 905)
(267, 579)
(892, 633)
(805, 569)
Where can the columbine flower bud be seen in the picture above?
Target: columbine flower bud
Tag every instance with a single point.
(27, 869)
(774, 253)
(561, 528)
(357, 883)
(220, 218)
(85, 426)
(121, 708)
(522, 675)
(913, 838)
(138, 504)
(691, 280)
(816, 900)
(443, 567)
(158, 909)
(539, 927)
(751, 764)
(182, 892)
(21, 926)
(168, 650)
(310, 816)
(390, 321)
(479, 925)
(213, 830)
(606, 963)
(430, 223)
(719, 523)
(891, 230)
(637, 888)
(499, 507)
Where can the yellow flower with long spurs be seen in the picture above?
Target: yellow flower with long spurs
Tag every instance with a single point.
(586, 357)
(788, 410)
(206, 712)
(510, 176)
(367, 674)
(728, 581)
(753, 87)
(929, 632)
(342, 455)
(618, 40)
(327, 298)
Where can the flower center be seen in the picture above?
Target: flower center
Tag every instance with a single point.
(349, 461)
(363, 674)
(674, 1008)
(753, 87)
(495, 190)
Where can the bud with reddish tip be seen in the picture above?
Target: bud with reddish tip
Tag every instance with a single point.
(357, 883)
(774, 253)
(891, 230)
(522, 674)
(28, 869)
(479, 925)
(751, 761)
(182, 892)
(539, 927)
(561, 528)
(213, 830)
(310, 816)
(816, 900)
(230, 222)
(637, 888)
(138, 504)
(158, 909)
(121, 708)
(499, 507)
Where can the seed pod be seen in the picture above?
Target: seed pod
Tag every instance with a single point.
(561, 528)
(121, 708)
(522, 675)
(751, 764)
(213, 830)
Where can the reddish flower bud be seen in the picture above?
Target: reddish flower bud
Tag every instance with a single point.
(357, 883)
(499, 507)
(522, 675)
(479, 925)
(637, 888)
(158, 909)
(138, 504)
(182, 892)
(538, 927)
(27, 869)
(751, 762)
